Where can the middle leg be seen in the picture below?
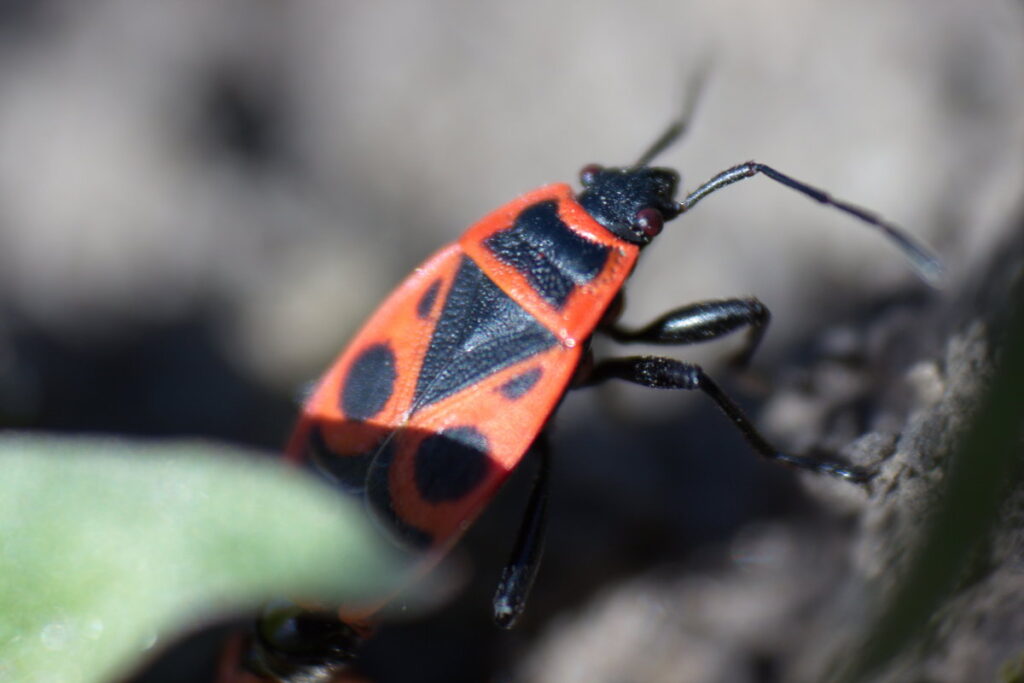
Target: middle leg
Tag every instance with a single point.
(703, 321)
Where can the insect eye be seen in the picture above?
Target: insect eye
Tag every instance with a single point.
(589, 172)
(649, 222)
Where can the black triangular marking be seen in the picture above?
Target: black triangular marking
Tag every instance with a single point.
(481, 330)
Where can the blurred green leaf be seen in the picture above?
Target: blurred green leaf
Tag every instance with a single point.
(110, 546)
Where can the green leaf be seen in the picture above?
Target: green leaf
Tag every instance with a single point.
(110, 546)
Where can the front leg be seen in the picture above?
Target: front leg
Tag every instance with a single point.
(702, 322)
(667, 373)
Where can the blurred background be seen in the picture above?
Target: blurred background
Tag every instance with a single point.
(200, 201)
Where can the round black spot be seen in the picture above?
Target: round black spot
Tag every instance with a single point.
(369, 383)
(451, 463)
(518, 386)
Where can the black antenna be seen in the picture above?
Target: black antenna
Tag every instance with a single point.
(928, 265)
(678, 127)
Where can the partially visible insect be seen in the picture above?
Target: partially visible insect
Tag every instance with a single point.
(453, 379)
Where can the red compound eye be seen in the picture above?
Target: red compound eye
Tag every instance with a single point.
(649, 222)
(589, 172)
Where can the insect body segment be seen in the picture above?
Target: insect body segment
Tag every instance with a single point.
(445, 388)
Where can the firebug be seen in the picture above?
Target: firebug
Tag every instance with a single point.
(453, 379)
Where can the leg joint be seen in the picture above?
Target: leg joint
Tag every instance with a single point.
(667, 373)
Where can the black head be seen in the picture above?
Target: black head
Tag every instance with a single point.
(635, 201)
(631, 202)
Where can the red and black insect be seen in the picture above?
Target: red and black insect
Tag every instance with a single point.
(453, 379)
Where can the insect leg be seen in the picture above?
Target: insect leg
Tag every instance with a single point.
(667, 373)
(703, 321)
(521, 569)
